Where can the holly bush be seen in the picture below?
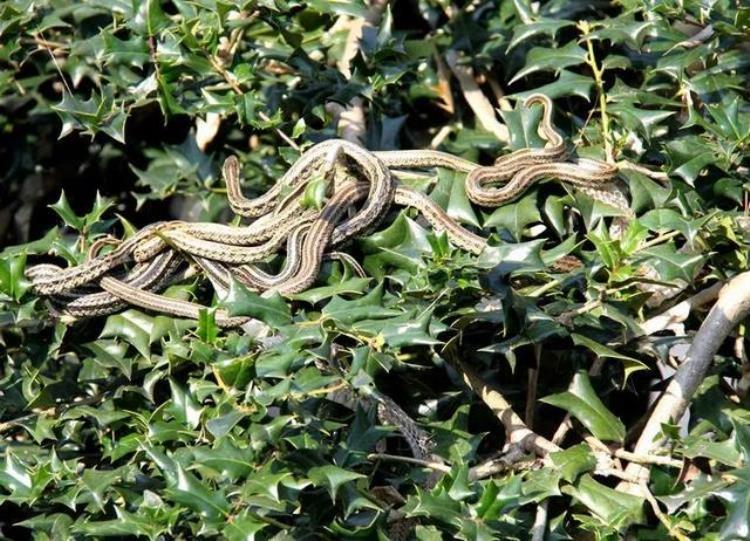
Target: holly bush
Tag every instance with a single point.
(118, 113)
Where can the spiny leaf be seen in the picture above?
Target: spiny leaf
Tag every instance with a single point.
(242, 302)
(582, 402)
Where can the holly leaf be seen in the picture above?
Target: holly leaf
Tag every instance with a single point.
(582, 402)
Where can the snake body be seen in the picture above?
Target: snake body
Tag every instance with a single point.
(365, 184)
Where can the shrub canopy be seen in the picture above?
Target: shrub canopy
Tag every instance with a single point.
(116, 114)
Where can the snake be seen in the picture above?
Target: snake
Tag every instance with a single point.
(371, 185)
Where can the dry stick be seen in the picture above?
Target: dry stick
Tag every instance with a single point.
(444, 86)
(352, 117)
(502, 102)
(478, 102)
(532, 391)
(659, 460)
(733, 306)
(674, 532)
(515, 460)
(517, 433)
(540, 522)
(437, 466)
(679, 312)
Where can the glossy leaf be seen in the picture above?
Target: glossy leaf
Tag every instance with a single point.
(582, 402)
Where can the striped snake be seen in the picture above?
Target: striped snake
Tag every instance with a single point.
(358, 182)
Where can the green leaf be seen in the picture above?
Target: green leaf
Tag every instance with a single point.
(567, 84)
(671, 264)
(38, 246)
(220, 426)
(187, 489)
(629, 364)
(698, 489)
(62, 208)
(459, 206)
(355, 8)
(574, 461)
(149, 18)
(548, 27)
(508, 258)
(12, 279)
(516, 216)
(14, 477)
(618, 31)
(112, 354)
(332, 477)
(207, 329)
(272, 310)
(183, 406)
(689, 156)
(542, 58)
(403, 330)
(736, 498)
(437, 505)
(352, 286)
(643, 121)
(243, 527)
(315, 192)
(615, 508)
(132, 326)
(366, 307)
(582, 402)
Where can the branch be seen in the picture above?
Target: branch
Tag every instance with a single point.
(516, 431)
(731, 308)
(351, 118)
(515, 459)
(540, 522)
(478, 102)
(437, 466)
(679, 312)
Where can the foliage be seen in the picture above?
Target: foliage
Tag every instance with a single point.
(155, 427)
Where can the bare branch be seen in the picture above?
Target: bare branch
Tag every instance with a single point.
(476, 99)
(680, 312)
(733, 306)
(516, 431)
(437, 466)
(540, 522)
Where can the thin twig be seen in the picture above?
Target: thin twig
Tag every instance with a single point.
(657, 460)
(598, 72)
(674, 532)
(532, 390)
(437, 466)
